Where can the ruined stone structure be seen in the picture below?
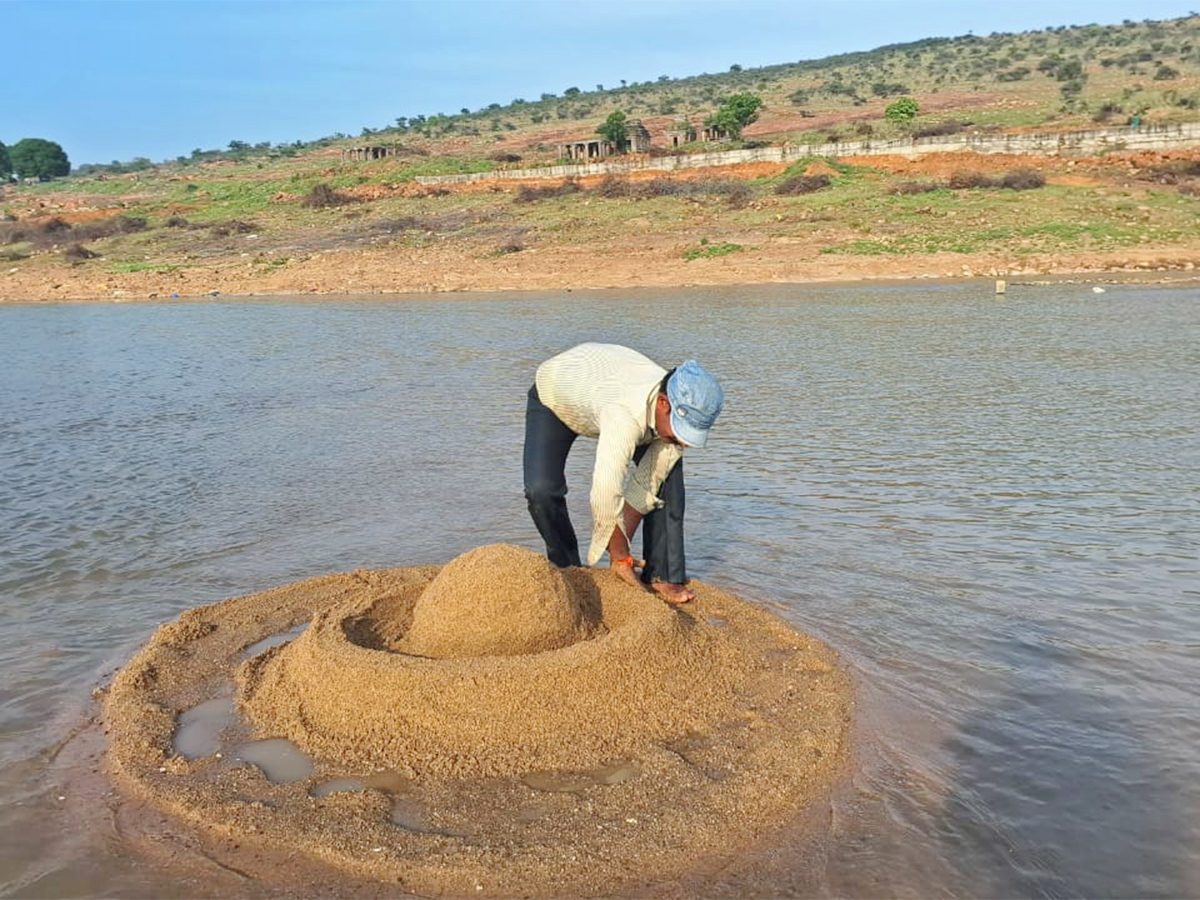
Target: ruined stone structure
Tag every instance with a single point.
(1092, 141)
(684, 132)
(377, 151)
(595, 148)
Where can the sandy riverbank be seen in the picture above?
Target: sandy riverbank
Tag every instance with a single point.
(653, 261)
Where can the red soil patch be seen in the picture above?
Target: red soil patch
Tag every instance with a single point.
(820, 167)
(940, 165)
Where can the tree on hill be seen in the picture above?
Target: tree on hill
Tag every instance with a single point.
(902, 111)
(615, 129)
(735, 114)
(38, 158)
(5, 165)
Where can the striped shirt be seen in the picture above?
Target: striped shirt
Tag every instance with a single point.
(608, 392)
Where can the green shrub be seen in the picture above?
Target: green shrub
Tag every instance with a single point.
(708, 251)
(902, 111)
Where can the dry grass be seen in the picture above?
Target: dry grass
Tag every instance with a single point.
(322, 196)
(907, 188)
(55, 231)
(79, 253)
(802, 184)
(1016, 180)
(530, 194)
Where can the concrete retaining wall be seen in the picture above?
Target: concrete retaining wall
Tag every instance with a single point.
(1101, 140)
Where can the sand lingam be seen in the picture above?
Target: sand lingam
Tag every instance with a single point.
(496, 725)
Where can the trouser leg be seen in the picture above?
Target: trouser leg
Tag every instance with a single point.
(662, 532)
(547, 443)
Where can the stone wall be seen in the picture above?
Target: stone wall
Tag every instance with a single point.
(1096, 141)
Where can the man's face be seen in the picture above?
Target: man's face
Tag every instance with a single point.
(662, 421)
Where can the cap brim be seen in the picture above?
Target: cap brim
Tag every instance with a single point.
(693, 437)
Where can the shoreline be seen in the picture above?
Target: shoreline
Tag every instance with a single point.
(341, 281)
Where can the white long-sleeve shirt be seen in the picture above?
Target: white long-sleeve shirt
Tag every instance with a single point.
(608, 392)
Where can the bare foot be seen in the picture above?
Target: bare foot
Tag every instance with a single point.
(624, 570)
(675, 594)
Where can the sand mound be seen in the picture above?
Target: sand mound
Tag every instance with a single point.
(497, 600)
(456, 709)
(530, 730)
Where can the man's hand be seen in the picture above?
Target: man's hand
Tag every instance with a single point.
(625, 570)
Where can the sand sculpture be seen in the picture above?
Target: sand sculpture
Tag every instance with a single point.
(492, 727)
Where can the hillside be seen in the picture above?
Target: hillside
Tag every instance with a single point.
(1056, 79)
(301, 218)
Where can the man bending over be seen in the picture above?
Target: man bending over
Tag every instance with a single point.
(638, 412)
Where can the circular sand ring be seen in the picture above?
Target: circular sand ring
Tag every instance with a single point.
(648, 739)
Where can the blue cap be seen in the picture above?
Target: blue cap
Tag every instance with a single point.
(696, 401)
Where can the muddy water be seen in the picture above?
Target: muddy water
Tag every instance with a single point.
(990, 506)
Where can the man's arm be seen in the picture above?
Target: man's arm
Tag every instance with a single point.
(620, 557)
(619, 432)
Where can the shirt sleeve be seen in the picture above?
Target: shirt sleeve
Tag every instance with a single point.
(619, 433)
(641, 491)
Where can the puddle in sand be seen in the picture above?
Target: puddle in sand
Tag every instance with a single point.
(198, 730)
(337, 786)
(274, 640)
(388, 782)
(409, 815)
(407, 812)
(280, 760)
(617, 773)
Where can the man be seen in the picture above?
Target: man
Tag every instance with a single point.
(638, 411)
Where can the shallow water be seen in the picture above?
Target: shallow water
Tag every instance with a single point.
(198, 730)
(280, 760)
(990, 506)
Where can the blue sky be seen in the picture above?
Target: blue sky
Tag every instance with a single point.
(114, 80)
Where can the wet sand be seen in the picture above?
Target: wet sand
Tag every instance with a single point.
(645, 260)
(643, 741)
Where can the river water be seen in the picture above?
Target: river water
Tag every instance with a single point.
(989, 505)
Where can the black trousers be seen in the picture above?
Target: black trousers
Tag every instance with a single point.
(547, 443)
